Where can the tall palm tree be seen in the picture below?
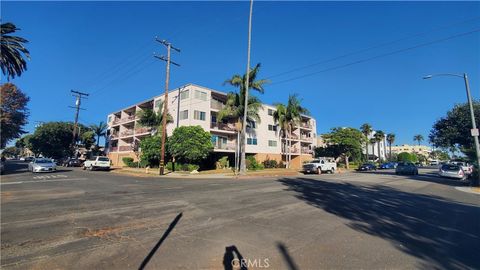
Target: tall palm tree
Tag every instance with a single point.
(150, 118)
(100, 130)
(366, 130)
(379, 136)
(294, 113)
(280, 117)
(239, 82)
(373, 141)
(418, 138)
(390, 140)
(12, 62)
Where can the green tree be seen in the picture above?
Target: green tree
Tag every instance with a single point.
(407, 157)
(237, 101)
(440, 155)
(294, 116)
(366, 130)
(11, 151)
(12, 51)
(379, 136)
(88, 139)
(390, 140)
(100, 130)
(150, 153)
(348, 140)
(280, 117)
(13, 113)
(453, 130)
(150, 118)
(418, 138)
(190, 144)
(24, 143)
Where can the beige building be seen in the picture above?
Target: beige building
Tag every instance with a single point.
(418, 149)
(197, 105)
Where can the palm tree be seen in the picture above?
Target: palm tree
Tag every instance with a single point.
(379, 136)
(366, 130)
(294, 113)
(280, 117)
(418, 138)
(11, 60)
(239, 82)
(150, 118)
(373, 141)
(100, 130)
(390, 140)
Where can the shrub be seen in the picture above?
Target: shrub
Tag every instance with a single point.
(222, 163)
(407, 157)
(252, 164)
(182, 167)
(281, 164)
(270, 163)
(127, 161)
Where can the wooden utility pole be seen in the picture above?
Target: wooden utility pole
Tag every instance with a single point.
(165, 102)
(78, 101)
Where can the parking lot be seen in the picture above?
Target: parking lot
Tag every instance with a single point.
(74, 219)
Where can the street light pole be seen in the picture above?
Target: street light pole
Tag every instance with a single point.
(474, 131)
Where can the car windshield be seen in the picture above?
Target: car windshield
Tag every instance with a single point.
(103, 159)
(450, 167)
(43, 161)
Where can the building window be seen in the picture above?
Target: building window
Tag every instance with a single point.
(200, 95)
(184, 94)
(109, 119)
(270, 112)
(252, 124)
(198, 115)
(272, 143)
(272, 127)
(183, 115)
(252, 141)
(158, 103)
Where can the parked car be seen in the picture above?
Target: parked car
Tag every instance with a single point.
(367, 167)
(320, 165)
(72, 162)
(388, 165)
(28, 159)
(406, 168)
(42, 165)
(466, 167)
(97, 162)
(434, 163)
(452, 171)
(2, 167)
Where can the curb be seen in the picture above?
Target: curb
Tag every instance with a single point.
(473, 190)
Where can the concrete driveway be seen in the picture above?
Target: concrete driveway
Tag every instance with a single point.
(75, 219)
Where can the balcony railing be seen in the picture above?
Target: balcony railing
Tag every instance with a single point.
(126, 133)
(306, 125)
(114, 136)
(123, 120)
(217, 105)
(305, 138)
(113, 149)
(125, 148)
(293, 150)
(221, 126)
(227, 146)
(306, 151)
(142, 130)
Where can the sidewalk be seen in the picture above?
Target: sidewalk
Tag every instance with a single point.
(474, 190)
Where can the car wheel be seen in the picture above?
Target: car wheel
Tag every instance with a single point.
(319, 171)
(331, 170)
(84, 168)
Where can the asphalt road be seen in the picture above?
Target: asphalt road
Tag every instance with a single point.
(75, 219)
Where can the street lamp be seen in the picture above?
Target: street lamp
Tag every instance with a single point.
(474, 130)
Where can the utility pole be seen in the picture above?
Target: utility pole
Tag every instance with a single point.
(243, 166)
(474, 131)
(165, 103)
(78, 95)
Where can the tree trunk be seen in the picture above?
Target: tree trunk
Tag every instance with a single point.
(287, 150)
(366, 150)
(390, 150)
(347, 164)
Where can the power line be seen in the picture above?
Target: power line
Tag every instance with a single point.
(379, 56)
(371, 48)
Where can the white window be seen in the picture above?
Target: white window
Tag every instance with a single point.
(272, 143)
(198, 115)
(184, 94)
(200, 95)
(272, 127)
(270, 112)
(183, 115)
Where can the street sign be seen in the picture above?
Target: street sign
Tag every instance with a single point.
(474, 131)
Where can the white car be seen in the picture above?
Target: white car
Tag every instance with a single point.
(42, 165)
(320, 165)
(467, 168)
(97, 162)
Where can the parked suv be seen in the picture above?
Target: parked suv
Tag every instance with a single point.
(320, 165)
(97, 162)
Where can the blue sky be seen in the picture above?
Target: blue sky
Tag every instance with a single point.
(105, 49)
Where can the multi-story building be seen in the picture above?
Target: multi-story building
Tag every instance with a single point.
(376, 151)
(197, 105)
(417, 149)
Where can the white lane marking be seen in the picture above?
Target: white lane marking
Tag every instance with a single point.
(50, 176)
(43, 181)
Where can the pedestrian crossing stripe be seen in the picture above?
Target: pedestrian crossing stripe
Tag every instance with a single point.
(51, 176)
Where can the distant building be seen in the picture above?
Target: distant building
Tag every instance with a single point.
(417, 149)
(373, 149)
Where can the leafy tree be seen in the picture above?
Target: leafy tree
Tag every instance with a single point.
(11, 60)
(366, 130)
(390, 140)
(439, 154)
(236, 103)
(418, 138)
(280, 117)
(190, 144)
(100, 130)
(332, 150)
(13, 113)
(407, 157)
(88, 139)
(348, 140)
(379, 136)
(11, 151)
(453, 130)
(150, 153)
(24, 142)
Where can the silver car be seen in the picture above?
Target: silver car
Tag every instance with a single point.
(42, 165)
(452, 171)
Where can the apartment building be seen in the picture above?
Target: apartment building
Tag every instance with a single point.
(377, 150)
(197, 105)
(417, 149)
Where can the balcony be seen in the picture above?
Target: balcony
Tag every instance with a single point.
(140, 131)
(125, 148)
(113, 136)
(306, 125)
(305, 138)
(113, 149)
(221, 126)
(117, 121)
(293, 150)
(306, 150)
(216, 105)
(225, 146)
(126, 133)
